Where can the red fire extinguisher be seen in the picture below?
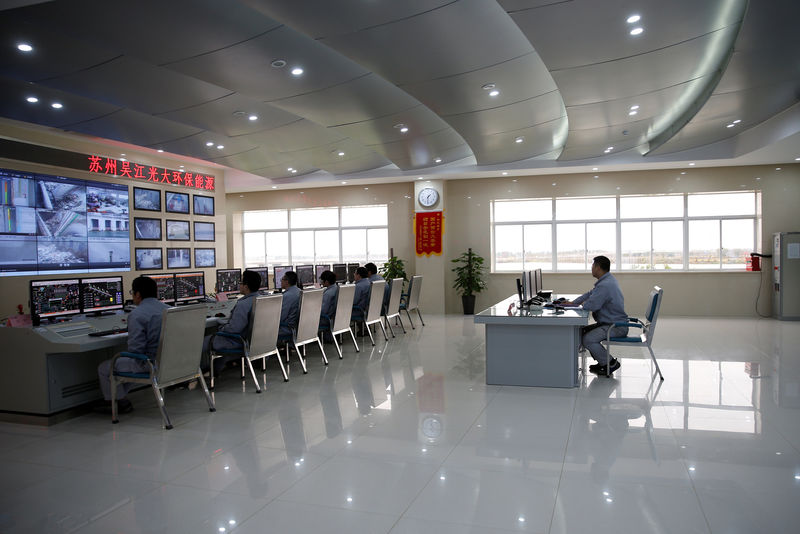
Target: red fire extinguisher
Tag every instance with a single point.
(753, 262)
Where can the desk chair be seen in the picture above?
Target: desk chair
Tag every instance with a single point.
(373, 311)
(648, 328)
(393, 308)
(341, 321)
(177, 360)
(263, 342)
(410, 301)
(308, 325)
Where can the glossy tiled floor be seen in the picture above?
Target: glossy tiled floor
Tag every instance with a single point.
(407, 438)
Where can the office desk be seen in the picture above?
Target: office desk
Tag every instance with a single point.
(53, 367)
(531, 348)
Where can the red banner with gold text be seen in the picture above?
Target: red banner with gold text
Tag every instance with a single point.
(428, 229)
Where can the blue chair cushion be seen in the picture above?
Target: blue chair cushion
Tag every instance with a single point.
(626, 339)
(134, 355)
(228, 351)
(133, 375)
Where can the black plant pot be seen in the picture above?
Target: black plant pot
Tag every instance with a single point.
(468, 301)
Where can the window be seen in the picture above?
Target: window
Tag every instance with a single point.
(316, 236)
(691, 231)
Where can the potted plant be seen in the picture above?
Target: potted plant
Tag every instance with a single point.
(469, 279)
(394, 268)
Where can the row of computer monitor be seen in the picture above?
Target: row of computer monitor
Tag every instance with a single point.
(228, 280)
(531, 284)
(71, 296)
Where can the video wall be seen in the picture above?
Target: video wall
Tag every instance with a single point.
(53, 224)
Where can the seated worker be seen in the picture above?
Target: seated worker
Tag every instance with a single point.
(290, 309)
(361, 297)
(144, 331)
(329, 298)
(607, 305)
(238, 324)
(372, 271)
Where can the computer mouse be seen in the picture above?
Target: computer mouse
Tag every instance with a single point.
(219, 315)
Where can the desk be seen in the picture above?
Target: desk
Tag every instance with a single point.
(53, 367)
(531, 348)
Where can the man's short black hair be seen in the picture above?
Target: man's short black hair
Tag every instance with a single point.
(362, 272)
(145, 286)
(371, 268)
(603, 262)
(328, 276)
(252, 280)
(291, 277)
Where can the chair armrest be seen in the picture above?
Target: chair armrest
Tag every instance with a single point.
(633, 325)
(134, 355)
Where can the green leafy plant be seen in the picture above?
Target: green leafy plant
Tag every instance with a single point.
(394, 268)
(469, 274)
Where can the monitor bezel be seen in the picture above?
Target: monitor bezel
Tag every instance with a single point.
(216, 280)
(351, 276)
(275, 279)
(160, 204)
(264, 279)
(188, 299)
(136, 259)
(213, 231)
(213, 206)
(119, 306)
(181, 266)
(54, 281)
(166, 204)
(166, 229)
(166, 275)
(198, 266)
(160, 229)
(313, 274)
(333, 269)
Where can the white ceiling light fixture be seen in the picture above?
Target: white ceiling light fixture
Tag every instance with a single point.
(632, 112)
(24, 47)
(519, 139)
(494, 92)
(737, 121)
(160, 150)
(274, 187)
(340, 153)
(343, 182)
(290, 169)
(297, 71)
(32, 99)
(220, 147)
(57, 105)
(691, 164)
(731, 125)
(634, 18)
(252, 118)
(594, 168)
(504, 173)
(437, 160)
(637, 31)
(209, 143)
(294, 171)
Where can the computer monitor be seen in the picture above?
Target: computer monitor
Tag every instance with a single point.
(305, 275)
(538, 280)
(279, 271)
(190, 287)
(53, 298)
(351, 272)
(263, 272)
(526, 292)
(228, 280)
(165, 284)
(340, 270)
(101, 294)
(318, 270)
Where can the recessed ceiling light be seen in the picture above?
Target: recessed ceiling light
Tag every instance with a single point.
(220, 147)
(32, 99)
(24, 47)
(123, 159)
(634, 107)
(519, 139)
(340, 153)
(209, 143)
(278, 63)
(505, 173)
(594, 168)
(610, 148)
(737, 121)
(595, 176)
(344, 182)
(777, 168)
(758, 177)
(253, 117)
(294, 171)
(366, 189)
(797, 159)
(297, 71)
(555, 183)
(683, 172)
(618, 188)
(274, 187)
(239, 113)
(437, 160)
(691, 164)
(634, 18)
(404, 129)
(632, 112)
(637, 31)
(161, 150)
(419, 177)
(488, 86)
(514, 180)
(123, 154)
(494, 92)
(290, 169)
(57, 105)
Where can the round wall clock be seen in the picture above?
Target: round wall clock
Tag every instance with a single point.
(428, 197)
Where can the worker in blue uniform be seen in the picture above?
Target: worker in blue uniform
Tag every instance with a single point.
(290, 309)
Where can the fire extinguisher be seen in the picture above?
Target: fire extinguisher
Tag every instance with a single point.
(754, 262)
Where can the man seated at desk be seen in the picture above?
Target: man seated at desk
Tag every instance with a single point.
(372, 271)
(290, 308)
(328, 280)
(144, 331)
(607, 305)
(239, 323)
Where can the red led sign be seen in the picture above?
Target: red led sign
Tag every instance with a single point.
(148, 173)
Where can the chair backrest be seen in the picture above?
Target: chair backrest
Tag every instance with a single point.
(344, 308)
(180, 346)
(310, 308)
(375, 300)
(266, 322)
(394, 297)
(651, 314)
(413, 297)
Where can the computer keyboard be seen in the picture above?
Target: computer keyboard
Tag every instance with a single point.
(110, 332)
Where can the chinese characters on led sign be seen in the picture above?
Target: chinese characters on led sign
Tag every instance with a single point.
(135, 171)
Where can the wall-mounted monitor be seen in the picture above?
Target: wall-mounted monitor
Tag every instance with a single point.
(177, 230)
(203, 205)
(190, 287)
(204, 231)
(166, 287)
(148, 259)
(179, 258)
(101, 294)
(319, 269)
(263, 272)
(52, 224)
(340, 270)
(146, 229)
(228, 280)
(53, 298)
(176, 202)
(205, 257)
(278, 272)
(351, 272)
(305, 275)
(146, 199)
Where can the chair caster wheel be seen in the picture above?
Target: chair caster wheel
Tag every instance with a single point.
(169, 427)
(305, 372)
(285, 379)
(114, 421)
(258, 391)
(212, 409)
